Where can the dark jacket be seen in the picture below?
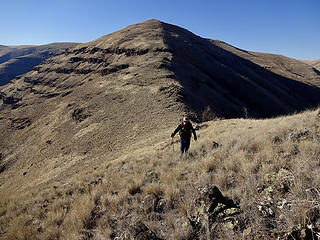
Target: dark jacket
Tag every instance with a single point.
(185, 131)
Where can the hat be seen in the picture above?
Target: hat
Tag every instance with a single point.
(185, 119)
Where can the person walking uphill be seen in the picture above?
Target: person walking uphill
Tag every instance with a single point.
(185, 129)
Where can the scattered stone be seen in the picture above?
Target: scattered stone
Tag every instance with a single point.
(153, 203)
(284, 204)
(215, 145)
(142, 232)
(210, 208)
(276, 140)
(301, 233)
(151, 176)
(247, 232)
(299, 135)
(265, 207)
(313, 192)
(95, 182)
(282, 217)
(2, 168)
(276, 183)
(79, 115)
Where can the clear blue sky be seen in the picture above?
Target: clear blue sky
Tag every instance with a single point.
(288, 27)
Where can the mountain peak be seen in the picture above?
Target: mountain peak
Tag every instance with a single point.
(142, 35)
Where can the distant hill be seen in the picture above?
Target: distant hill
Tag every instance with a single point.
(313, 63)
(17, 60)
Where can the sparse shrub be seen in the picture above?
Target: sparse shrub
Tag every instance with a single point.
(134, 188)
(245, 112)
(208, 114)
(155, 188)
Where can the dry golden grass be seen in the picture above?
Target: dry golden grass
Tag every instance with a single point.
(280, 156)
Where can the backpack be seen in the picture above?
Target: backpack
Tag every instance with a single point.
(185, 131)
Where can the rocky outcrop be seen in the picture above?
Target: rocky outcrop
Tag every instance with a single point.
(80, 114)
(20, 123)
(211, 213)
(142, 232)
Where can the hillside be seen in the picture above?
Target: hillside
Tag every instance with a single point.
(17, 60)
(266, 170)
(90, 127)
(313, 63)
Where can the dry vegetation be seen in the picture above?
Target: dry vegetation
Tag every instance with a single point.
(269, 168)
(86, 153)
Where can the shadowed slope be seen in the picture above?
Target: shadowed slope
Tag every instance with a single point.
(229, 81)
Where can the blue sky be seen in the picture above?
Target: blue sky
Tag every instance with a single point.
(287, 27)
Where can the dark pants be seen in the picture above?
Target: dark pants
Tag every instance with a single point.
(184, 145)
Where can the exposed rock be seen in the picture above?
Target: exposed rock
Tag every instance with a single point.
(113, 69)
(20, 123)
(314, 193)
(151, 176)
(50, 95)
(142, 232)
(276, 140)
(153, 203)
(302, 233)
(11, 100)
(2, 168)
(215, 145)
(118, 51)
(284, 204)
(79, 114)
(265, 207)
(95, 182)
(66, 94)
(299, 135)
(211, 208)
(276, 183)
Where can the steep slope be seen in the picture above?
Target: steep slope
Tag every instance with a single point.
(313, 63)
(16, 60)
(281, 65)
(229, 83)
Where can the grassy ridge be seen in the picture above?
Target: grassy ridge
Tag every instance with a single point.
(269, 168)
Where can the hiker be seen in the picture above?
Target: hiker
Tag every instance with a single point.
(185, 129)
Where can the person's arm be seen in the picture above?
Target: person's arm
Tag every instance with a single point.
(177, 130)
(194, 132)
